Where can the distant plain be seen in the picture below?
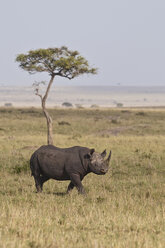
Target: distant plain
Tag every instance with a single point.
(86, 96)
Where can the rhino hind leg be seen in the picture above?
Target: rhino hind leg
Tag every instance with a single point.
(43, 180)
(38, 183)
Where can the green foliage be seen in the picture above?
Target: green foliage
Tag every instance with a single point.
(56, 61)
(22, 166)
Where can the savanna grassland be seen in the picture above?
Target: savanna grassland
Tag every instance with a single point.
(124, 208)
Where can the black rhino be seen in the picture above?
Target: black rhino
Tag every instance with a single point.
(74, 163)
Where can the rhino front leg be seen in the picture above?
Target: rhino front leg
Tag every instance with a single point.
(70, 187)
(76, 181)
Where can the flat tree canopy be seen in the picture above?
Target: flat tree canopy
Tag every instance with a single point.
(56, 61)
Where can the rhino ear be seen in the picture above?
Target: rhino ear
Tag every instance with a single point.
(91, 151)
(88, 155)
(104, 153)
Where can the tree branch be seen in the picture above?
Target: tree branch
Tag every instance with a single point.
(65, 76)
(37, 94)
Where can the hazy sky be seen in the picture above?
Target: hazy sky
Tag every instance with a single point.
(125, 39)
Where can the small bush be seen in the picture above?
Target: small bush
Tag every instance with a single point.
(114, 121)
(100, 199)
(119, 105)
(67, 104)
(125, 111)
(94, 106)
(22, 167)
(63, 123)
(8, 104)
(141, 113)
(32, 112)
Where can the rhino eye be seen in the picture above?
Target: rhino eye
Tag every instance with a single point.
(94, 163)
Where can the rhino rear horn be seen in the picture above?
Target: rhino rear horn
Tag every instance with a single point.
(104, 153)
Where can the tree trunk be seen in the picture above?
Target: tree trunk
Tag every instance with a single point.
(48, 118)
(49, 127)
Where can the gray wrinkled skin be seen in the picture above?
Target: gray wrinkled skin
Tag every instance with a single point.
(74, 163)
(97, 164)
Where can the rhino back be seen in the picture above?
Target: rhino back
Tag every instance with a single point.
(59, 163)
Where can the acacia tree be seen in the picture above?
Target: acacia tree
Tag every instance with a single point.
(56, 62)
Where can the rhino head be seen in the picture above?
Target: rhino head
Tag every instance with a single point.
(97, 164)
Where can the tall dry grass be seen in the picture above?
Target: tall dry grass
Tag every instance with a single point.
(124, 208)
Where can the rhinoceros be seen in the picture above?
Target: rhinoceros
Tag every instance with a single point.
(74, 163)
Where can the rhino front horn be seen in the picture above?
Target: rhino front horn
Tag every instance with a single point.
(108, 159)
